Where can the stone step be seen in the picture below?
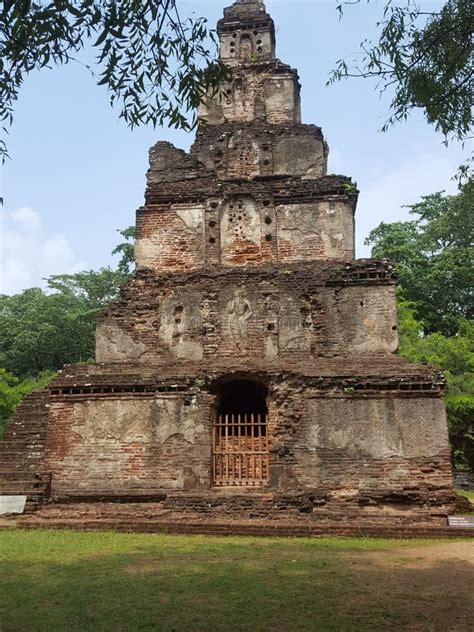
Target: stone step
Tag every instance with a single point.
(22, 476)
(16, 466)
(257, 528)
(16, 456)
(22, 490)
(24, 432)
(12, 443)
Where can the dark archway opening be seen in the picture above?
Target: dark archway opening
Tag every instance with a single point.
(241, 397)
(239, 434)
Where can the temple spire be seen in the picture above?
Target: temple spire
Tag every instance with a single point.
(246, 33)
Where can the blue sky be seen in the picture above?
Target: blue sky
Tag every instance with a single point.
(77, 173)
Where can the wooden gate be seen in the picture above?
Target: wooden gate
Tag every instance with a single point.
(239, 450)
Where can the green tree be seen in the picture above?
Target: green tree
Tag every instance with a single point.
(434, 258)
(152, 62)
(455, 356)
(12, 391)
(44, 330)
(95, 288)
(424, 59)
(126, 250)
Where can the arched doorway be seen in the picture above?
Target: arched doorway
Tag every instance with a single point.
(239, 435)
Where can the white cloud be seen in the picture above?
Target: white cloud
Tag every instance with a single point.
(383, 199)
(27, 255)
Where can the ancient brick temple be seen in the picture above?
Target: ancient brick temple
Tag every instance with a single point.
(249, 367)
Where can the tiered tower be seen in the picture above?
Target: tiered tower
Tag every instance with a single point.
(251, 361)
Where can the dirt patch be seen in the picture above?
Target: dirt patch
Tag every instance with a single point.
(427, 588)
(425, 556)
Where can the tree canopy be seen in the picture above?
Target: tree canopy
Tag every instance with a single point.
(455, 356)
(155, 64)
(425, 59)
(434, 258)
(41, 331)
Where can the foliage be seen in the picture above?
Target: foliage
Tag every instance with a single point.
(434, 258)
(44, 330)
(41, 331)
(425, 58)
(96, 288)
(12, 391)
(126, 249)
(455, 356)
(152, 62)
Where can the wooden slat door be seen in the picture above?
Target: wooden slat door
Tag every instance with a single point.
(239, 450)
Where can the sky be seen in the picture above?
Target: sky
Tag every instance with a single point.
(77, 173)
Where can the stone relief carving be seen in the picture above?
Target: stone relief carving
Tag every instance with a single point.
(239, 311)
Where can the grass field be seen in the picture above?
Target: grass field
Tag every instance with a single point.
(463, 492)
(60, 580)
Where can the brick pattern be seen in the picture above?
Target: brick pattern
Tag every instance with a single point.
(22, 448)
(245, 270)
(205, 515)
(297, 310)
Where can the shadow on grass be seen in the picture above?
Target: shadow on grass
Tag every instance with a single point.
(213, 584)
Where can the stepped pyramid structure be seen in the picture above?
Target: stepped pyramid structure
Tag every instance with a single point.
(249, 367)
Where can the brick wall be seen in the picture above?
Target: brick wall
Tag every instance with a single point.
(296, 311)
(343, 449)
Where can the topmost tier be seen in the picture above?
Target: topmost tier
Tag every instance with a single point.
(261, 88)
(246, 33)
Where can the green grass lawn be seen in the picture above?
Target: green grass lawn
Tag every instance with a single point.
(62, 580)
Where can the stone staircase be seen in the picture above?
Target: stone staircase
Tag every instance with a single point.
(22, 451)
(155, 517)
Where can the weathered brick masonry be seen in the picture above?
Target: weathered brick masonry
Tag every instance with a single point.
(249, 368)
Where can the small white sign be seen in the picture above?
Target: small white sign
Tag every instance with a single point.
(461, 521)
(12, 504)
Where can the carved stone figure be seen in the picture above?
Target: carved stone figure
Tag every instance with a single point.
(239, 311)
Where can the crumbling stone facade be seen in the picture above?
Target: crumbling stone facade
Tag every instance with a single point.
(246, 276)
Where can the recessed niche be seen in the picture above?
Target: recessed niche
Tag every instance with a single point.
(266, 202)
(268, 237)
(213, 204)
(212, 223)
(212, 240)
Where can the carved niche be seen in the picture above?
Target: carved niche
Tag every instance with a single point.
(241, 231)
